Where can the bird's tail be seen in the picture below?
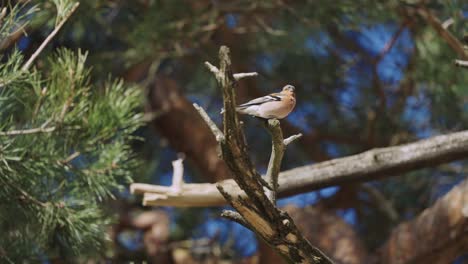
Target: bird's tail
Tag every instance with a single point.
(242, 109)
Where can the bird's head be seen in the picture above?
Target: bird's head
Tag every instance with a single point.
(289, 89)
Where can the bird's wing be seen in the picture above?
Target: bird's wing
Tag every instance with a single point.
(265, 99)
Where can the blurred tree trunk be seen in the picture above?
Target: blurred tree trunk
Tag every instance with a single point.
(438, 235)
(179, 122)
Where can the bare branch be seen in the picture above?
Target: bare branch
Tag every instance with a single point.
(28, 131)
(239, 76)
(234, 216)
(212, 68)
(291, 139)
(172, 192)
(389, 45)
(381, 202)
(73, 156)
(191, 195)
(49, 38)
(370, 165)
(277, 152)
(447, 23)
(178, 175)
(214, 128)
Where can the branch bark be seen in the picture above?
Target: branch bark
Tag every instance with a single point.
(278, 146)
(370, 165)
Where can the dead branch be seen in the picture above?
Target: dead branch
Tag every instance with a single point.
(256, 210)
(370, 165)
(173, 191)
(278, 146)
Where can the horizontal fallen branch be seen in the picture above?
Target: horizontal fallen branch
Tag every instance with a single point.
(369, 165)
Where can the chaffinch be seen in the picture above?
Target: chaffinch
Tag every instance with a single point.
(275, 105)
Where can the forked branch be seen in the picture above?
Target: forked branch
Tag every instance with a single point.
(256, 209)
(278, 146)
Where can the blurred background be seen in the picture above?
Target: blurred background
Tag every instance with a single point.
(368, 74)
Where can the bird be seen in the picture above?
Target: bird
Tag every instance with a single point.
(275, 105)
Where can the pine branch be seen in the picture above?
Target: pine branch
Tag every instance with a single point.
(49, 38)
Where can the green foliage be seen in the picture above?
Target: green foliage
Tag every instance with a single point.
(64, 147)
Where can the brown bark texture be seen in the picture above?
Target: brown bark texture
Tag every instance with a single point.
(178, 122)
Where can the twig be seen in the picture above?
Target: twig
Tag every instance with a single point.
(381, 202)
(239, 76)
(291, 139)
(39, 102)
(234, 216)
(447, 23)
(444, 33)
(24, 194)
(71, 157)
(212, 68)
(389, 45)
(277, 152)
(162, 193)
(49, 38)
(28, 131)
(178, 175)
(214, 128)
(269, 29)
